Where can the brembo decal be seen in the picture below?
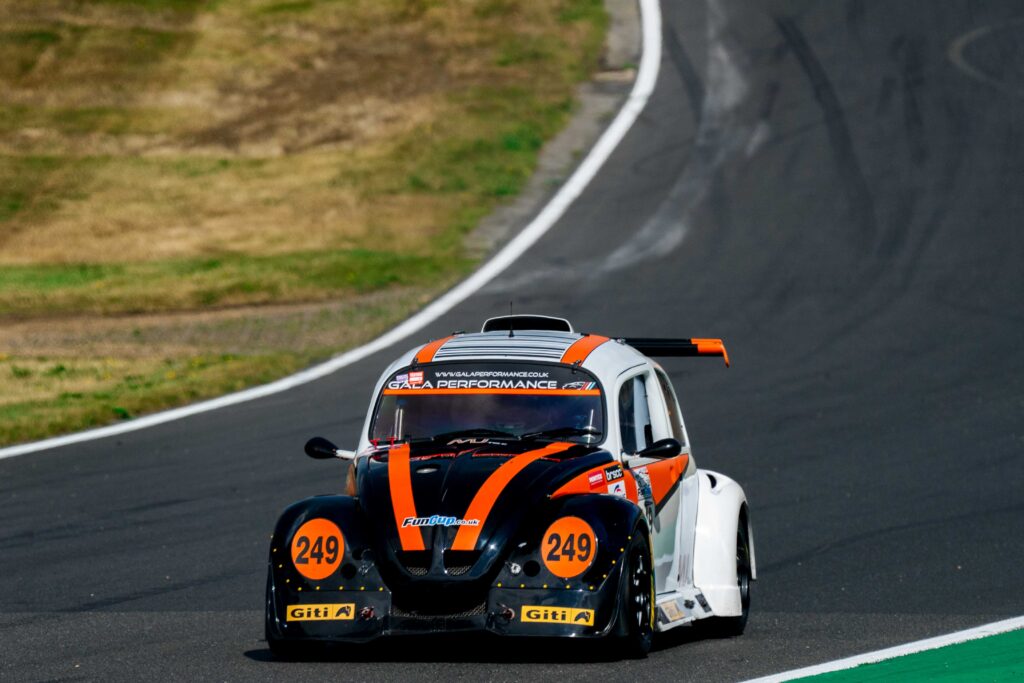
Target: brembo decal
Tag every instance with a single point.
(572, 616)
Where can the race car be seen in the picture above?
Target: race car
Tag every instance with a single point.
(526, 480)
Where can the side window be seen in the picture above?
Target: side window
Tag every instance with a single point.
(634, 415)
(627, 418)
(675, 417)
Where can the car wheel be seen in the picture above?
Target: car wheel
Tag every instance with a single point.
(727, 627)
(281, 649)
(636, 608)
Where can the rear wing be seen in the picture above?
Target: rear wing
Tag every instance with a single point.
(677, 348)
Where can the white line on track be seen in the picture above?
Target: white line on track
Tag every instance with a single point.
(986, 630)
(647, 75)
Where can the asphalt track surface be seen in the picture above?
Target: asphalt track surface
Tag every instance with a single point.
(833, 188)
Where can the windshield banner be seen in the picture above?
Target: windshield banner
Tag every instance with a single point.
(491, 380)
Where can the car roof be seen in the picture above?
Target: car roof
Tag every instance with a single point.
(596, 353)
(604, 357)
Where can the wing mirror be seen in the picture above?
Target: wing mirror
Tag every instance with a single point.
(320, 448)
(662, 448)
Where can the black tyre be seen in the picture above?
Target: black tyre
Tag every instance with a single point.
(636, 607)
(727, 627)
(284, 649)
(281, 649)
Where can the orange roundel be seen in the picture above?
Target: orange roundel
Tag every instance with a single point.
(568, 547)
(318, 548)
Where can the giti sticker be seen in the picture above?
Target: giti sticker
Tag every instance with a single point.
(336, 612)
(572, 616)
(596, 480)
(613, 473)
(617, 489)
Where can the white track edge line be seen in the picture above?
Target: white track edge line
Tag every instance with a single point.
(647, 75)
(983, 631)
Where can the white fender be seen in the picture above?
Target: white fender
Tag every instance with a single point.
(719, 503)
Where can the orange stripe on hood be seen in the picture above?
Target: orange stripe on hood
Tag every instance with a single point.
(467, 536)
(400, 483)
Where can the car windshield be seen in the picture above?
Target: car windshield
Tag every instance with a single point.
(480, 399)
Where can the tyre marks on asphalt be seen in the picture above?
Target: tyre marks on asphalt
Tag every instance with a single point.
(859, 199)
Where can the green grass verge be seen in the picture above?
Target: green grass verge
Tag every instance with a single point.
(993, 659)
(105, 390)
(189, 284)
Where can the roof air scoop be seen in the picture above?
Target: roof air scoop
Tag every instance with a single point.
(506, 323)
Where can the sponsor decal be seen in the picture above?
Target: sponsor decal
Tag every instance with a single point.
(596, 480)
(431, 456)
(672, 611)
(642, 475)
(470, 441)
(491, 373)
(336, 612)
(412, 383)
(643, 482)
(617, 489)
(643, 489)
(406, 384)
(495, 384)
(439, 520)
(613, 473)
(573, 616)
(487, 379)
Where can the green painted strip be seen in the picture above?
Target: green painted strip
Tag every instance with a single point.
(994, 659)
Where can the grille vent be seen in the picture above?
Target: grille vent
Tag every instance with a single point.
(500, 345)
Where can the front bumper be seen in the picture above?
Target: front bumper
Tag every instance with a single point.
(361, 616)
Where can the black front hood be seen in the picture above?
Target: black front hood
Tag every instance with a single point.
(444, 481)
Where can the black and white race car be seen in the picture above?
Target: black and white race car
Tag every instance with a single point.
(526, 480)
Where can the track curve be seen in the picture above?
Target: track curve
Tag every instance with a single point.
(817, 183)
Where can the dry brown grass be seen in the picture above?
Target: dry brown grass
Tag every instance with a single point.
(200, 195)
(238, 126)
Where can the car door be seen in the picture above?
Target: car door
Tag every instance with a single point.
(643, 419)
(688, 485)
